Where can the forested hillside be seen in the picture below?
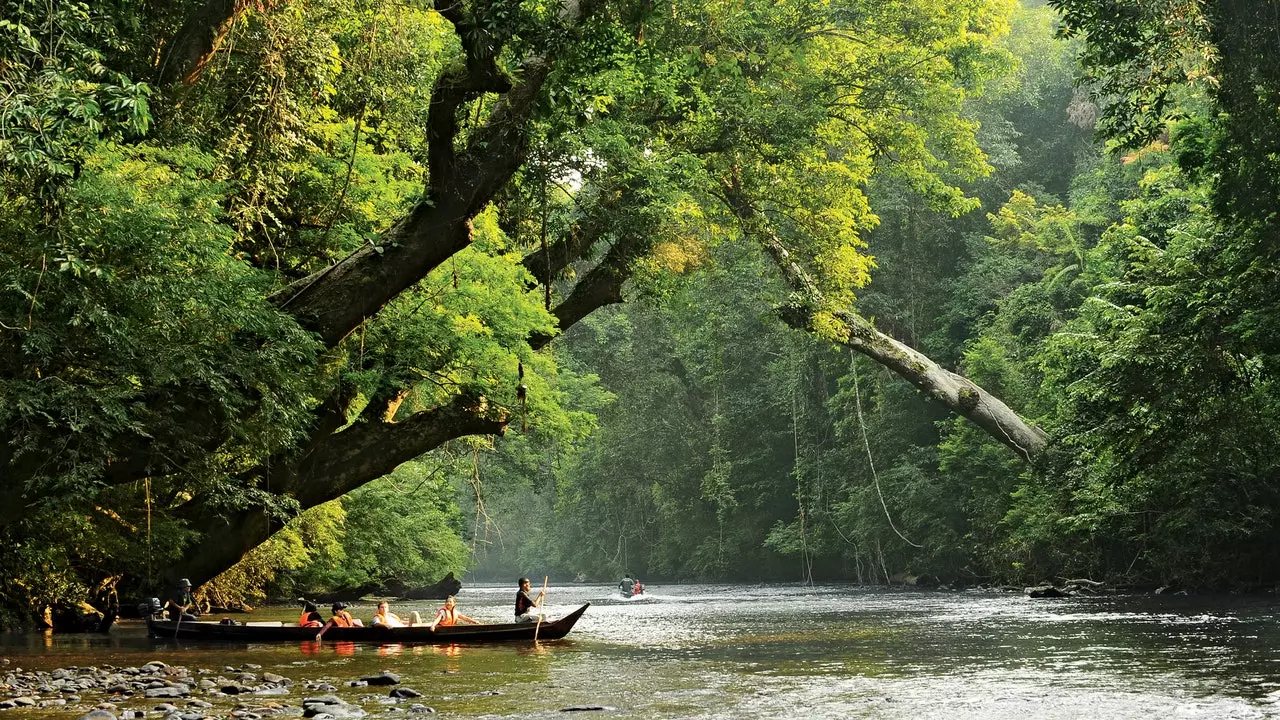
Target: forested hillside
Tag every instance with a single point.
(299, 295)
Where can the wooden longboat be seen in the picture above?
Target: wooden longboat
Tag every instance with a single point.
(279, 632)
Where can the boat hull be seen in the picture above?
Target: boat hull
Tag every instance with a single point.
(504, 632)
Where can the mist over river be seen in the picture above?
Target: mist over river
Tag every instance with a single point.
(759, 651)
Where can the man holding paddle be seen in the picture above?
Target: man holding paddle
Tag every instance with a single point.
(526, 604)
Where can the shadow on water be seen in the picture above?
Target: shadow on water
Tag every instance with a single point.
(722, 651)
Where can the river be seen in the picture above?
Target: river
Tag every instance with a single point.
(770, 651)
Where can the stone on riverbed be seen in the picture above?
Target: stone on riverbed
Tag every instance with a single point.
(386, 677)
(175, 691)
(97, 715)
(340, 712)
(405, 693)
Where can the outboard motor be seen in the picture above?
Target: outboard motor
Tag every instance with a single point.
(150, 608)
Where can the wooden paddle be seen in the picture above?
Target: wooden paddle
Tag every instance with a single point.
(541, 599)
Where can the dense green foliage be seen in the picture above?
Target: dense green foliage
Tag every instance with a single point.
(273, 283)
(1119, 299)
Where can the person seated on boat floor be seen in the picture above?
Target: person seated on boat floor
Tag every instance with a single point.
(526, 604)
(449, 615)
(181, 605)
(385, 618)
(341, 618)
(310, 615)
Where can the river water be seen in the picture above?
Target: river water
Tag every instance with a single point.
(722, 651)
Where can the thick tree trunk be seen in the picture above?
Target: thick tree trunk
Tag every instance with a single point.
(341, 463)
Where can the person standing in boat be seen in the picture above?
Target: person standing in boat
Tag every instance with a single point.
(449, 615)
(385, 618)
(182, 605)
(525, 604)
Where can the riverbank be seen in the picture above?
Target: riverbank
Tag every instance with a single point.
(175, 692)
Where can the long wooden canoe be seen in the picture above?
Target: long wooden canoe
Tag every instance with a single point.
(278, 632)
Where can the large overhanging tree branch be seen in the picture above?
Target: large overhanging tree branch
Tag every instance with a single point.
(346, 460)
(953, 390)
(334, 463)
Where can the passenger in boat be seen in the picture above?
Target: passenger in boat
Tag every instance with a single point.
(341, 618)
(638, 588)
(385, 618)
(628, 585)
(182, 605)
(310, 616)
(526, 604)
(449, 615)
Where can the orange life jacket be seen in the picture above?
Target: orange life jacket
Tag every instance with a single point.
(388, 620)
(448, 617)
(310, 619)
(342, 618)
